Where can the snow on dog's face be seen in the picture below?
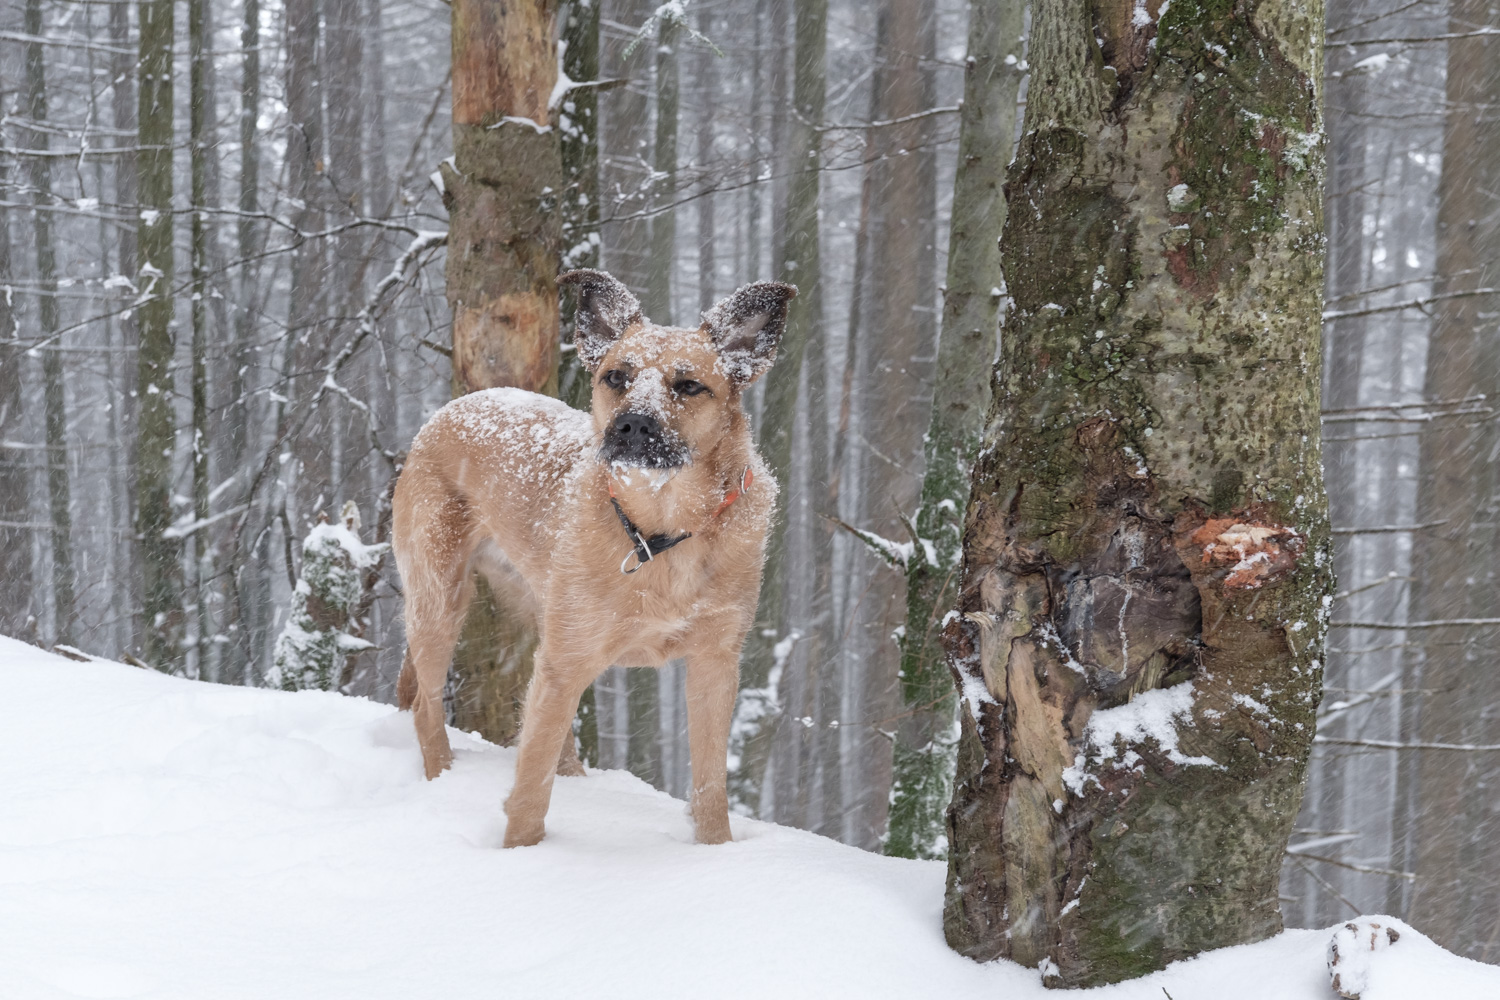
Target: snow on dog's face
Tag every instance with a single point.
(663, 395)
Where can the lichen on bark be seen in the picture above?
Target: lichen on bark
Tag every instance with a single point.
(1147, 518)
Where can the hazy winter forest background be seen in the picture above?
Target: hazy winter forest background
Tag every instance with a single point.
(223, 314)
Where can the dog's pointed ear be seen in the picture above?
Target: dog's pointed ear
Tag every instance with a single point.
(747, 326)
(605, 309)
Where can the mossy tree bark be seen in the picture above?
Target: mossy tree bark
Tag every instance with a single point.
(922, 768)
(504, 248)
(1456, 895)
(1146, 572)
(769, 643)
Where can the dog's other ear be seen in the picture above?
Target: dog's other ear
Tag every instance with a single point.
(605, 309)
(747, 326)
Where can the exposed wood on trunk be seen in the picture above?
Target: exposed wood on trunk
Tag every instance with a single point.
(1146, 565)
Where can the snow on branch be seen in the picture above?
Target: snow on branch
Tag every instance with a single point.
(673, 12)
(1417, 39)
(895, 554)
(1403, 626)
(1420, 303)
(373, 309)
(565, 84)
(1396, 745)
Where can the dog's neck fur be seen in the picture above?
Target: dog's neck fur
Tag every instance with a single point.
(687, 500)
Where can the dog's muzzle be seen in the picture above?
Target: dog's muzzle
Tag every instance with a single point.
(640, 439)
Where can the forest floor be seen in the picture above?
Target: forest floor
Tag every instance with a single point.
(164, 838)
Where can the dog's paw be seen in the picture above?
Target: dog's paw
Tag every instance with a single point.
(1350, 952)
(712, 832)
(527, 835)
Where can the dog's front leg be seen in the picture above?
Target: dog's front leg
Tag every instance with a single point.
(712, 682)
(551, 703)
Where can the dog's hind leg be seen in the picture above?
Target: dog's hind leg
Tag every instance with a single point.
(406, 683)
(433, 548)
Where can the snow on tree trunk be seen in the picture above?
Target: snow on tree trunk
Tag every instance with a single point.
(926, 740)
(1146, 575)
(322, 628)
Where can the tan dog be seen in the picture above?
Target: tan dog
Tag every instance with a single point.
(663, 474)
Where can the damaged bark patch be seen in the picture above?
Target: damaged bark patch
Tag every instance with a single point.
(1255, 552)
(1126, 30)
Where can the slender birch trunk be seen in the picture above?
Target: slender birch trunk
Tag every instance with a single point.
(54, 397)
(706, 90)
(895, 373)
(579, 124)
(769, 643)
(17, 601)
(161, 568)
(1456, 895)
(926, 739)
(1146, 557)
(200, 116)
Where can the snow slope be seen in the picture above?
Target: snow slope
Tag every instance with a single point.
(164, 838)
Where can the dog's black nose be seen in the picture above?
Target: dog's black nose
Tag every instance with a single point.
(636, 428)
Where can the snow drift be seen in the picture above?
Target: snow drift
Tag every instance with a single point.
(163, 838)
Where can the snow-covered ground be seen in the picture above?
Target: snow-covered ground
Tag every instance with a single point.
(165, 838)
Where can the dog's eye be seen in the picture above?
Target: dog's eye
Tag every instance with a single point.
(687, 387)
(614, 378)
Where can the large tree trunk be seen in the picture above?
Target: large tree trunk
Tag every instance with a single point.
(1456, 896)
(922, 768)
(1146, 567)
(504, 246)
(769, 643)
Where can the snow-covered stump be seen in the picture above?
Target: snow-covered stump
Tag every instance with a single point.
(322, 628)
(1351, 950)
(1146, 575)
